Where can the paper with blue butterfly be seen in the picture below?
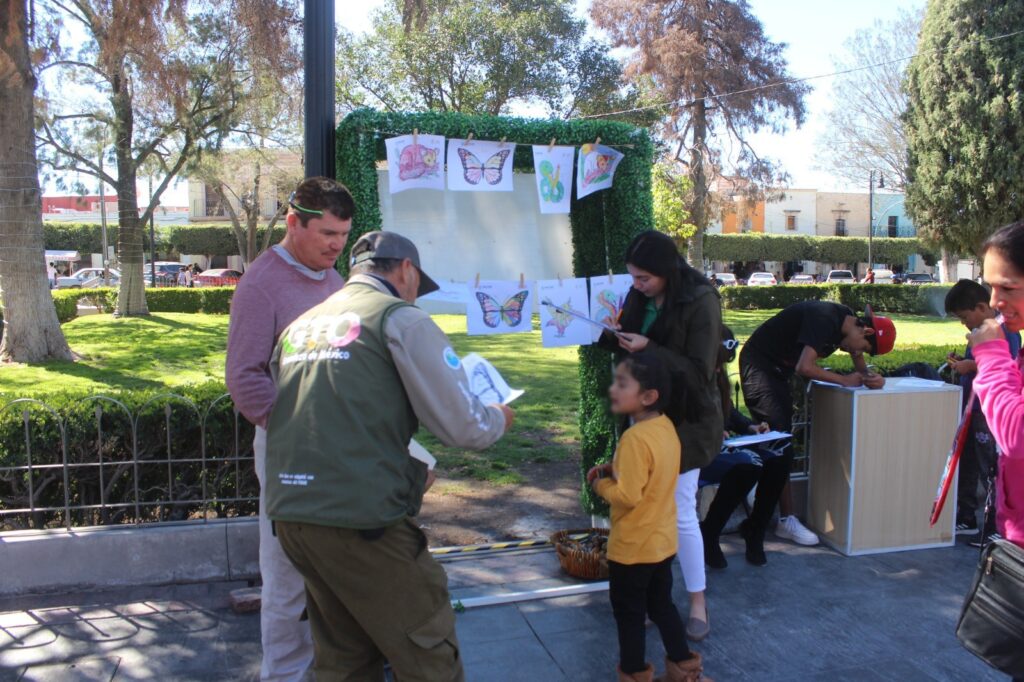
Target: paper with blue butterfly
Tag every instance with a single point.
(480, 166)
(607, 294)
(554, 177)
(558, 325)
(499, 307)
(486, 383)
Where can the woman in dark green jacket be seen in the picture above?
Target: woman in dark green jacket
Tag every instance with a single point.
(675, 312)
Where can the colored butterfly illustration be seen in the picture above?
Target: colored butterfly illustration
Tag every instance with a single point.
(490, 170)
(510, 312)
(612, 304)
(482, 386)
(551, 188)
(560, 319)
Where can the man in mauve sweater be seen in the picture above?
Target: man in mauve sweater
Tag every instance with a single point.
(284, 282)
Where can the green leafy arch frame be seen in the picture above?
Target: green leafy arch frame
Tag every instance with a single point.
(602, 224)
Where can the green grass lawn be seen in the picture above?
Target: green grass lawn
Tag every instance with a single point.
(166, 350)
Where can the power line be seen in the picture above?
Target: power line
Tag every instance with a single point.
(688, 103)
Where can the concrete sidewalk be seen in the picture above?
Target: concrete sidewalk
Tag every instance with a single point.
(810, 614)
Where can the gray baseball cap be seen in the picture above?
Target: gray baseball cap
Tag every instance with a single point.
(391, 245)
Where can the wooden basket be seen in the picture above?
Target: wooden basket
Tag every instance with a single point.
(579, 563)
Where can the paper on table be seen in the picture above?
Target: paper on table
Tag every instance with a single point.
(486, 383)
(753, 439)
(578, 316)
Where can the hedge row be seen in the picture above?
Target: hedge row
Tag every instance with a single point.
(754, 247)
(212, 240)
(163, 421)
(926, 299)
(212, 300)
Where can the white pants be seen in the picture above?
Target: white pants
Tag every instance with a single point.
(691, 544)
(287, 642)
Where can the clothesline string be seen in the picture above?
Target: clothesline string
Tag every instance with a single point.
(510, 143)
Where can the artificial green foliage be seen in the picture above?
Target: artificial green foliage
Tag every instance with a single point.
(602, 224)
(924, 299)
(754, 246)
(965, 140)
(211, 300)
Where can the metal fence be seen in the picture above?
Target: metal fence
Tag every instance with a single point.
(96, 461)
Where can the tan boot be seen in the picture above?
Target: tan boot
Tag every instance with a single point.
(644, 676)
(690, 670)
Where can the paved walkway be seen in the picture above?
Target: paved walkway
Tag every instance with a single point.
(811, 614)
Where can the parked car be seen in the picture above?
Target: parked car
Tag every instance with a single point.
(87, 278)
(166, 273)
(840, 277)
(761, 279)
(883, 276)
(918, 278)
(801, 279)
(218, 277)
(724, 279)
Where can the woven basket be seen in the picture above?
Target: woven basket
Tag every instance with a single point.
(589, 565)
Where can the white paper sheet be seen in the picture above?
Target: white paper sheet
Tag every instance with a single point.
(450, 292)
(554, 177)
(499, 307)
(415, 165)
(564, 327)
(480, 166)
(595, 169)
(754, 439)
(607, 294)
(486, 382)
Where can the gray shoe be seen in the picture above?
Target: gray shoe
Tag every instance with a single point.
(697, 629)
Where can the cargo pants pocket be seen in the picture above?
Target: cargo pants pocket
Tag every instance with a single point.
(436, 648)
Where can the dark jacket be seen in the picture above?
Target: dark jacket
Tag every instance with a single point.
(686, 337)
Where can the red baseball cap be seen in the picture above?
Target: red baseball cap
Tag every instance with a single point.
(884, 338)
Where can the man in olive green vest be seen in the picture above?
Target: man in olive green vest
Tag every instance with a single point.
(356, 376)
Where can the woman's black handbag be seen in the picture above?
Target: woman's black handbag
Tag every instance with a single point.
(991, 624)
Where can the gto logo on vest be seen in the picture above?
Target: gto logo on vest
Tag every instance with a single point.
(320, 338)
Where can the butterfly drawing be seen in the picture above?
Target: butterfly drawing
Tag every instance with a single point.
(481, 384)
(611, 304)
(490, 170)
(560, 319)
(510, 312)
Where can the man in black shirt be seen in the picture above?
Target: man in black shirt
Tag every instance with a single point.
(792, 342)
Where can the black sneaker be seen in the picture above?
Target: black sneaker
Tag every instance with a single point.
(982, 541)
(969, 527)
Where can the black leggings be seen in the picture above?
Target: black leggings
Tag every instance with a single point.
(767, 394)
(639, 590)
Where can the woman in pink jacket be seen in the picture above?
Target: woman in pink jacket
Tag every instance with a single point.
(1000, 383)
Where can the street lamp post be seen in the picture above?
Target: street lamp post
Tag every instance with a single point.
(871, 212)
(318, 42)
(152, 236)
(103, 224)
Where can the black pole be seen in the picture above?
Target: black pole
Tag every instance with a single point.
(318, 40)
(152, 237)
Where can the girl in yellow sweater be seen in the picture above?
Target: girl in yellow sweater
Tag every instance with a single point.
(639, 484)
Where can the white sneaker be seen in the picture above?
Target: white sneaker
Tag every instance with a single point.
(790, 528)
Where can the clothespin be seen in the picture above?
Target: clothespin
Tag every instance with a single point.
(415, 136)
(597, 141)
(610, 276)
(469, 139)
(502, 142)
(476, 285)
(551, 145)
(522, 281)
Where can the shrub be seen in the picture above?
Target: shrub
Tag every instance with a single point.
(213, 300)
(756, 246)
(922, 300)
(216, 240)
(195, 428)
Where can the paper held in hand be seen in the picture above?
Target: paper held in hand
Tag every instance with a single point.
(740, 441)
(486, 383)
(578, 316)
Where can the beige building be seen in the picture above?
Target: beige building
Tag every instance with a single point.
(280, 171)
(842, 214)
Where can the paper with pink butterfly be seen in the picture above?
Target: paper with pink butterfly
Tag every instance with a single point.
(499, 307)
(480, 166)
(607, 294)
(415, 163)
(595, 168)
(558, 328)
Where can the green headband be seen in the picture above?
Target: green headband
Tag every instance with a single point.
(297, 207)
